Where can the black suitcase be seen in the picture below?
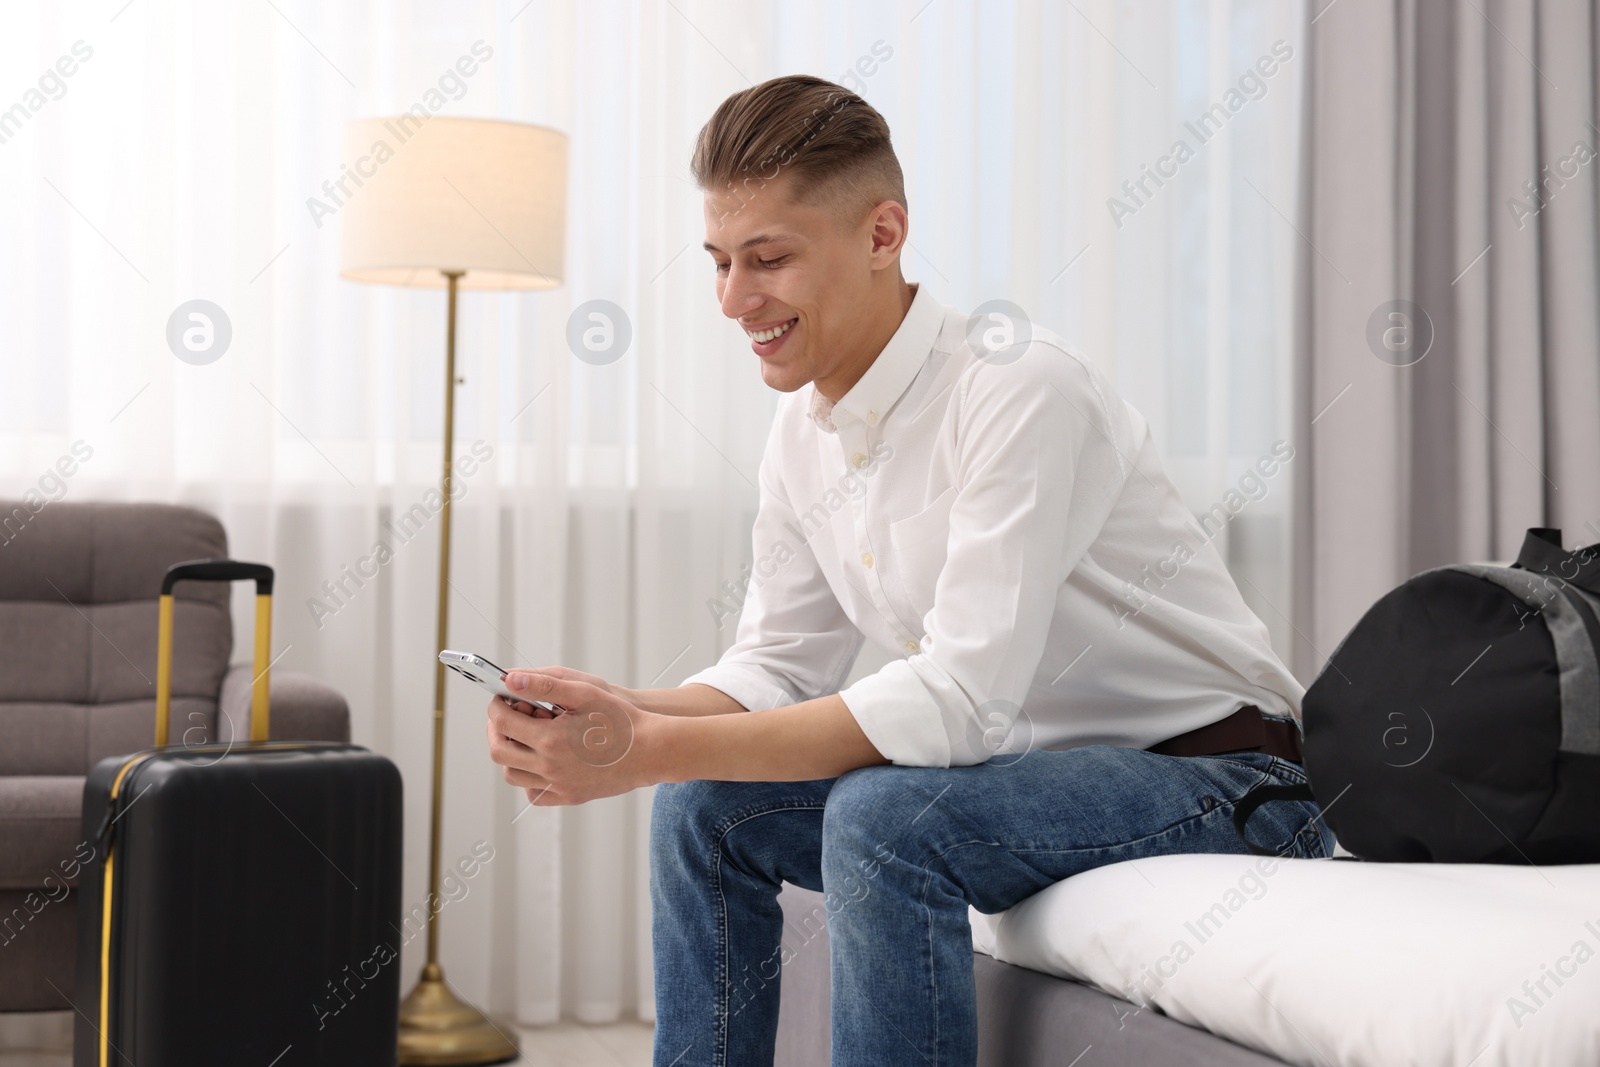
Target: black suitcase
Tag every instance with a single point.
(243, 902)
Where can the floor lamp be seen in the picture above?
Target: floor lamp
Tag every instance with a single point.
(455, 204)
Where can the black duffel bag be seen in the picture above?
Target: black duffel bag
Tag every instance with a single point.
(1459, 720)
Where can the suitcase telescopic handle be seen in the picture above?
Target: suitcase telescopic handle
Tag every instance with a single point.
(217, 570)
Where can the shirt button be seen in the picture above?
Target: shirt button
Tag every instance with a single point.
(913, 647)
(859, 459)
(866, 558)
(872, 417)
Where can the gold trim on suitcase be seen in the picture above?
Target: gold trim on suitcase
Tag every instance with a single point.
(260, 691)
(260, 685)
(105, 926)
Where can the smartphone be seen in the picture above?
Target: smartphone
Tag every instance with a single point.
(475, 668)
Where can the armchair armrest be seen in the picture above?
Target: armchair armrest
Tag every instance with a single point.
(303, 709)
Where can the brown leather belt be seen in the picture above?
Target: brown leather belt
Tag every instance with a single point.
(1244, 730)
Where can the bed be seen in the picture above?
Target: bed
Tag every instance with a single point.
(1244, 961)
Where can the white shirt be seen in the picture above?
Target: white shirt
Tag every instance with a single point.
(1001, 523)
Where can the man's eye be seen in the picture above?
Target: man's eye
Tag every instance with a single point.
(778, 262)
(722, 268)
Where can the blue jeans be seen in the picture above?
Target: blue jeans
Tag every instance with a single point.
(899, 853)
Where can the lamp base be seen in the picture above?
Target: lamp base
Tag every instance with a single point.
(437, 1028)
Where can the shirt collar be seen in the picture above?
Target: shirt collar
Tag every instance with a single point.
(890, 373)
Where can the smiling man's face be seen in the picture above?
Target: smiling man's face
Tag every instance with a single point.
(798, 278)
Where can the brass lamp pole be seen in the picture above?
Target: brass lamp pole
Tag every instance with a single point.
(476, 204)
(436, 1026)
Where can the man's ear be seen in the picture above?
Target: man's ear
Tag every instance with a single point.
(889, 227)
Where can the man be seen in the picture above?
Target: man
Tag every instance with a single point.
(998, 519)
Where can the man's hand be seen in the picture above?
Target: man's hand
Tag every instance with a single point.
(593, 749)
(518, 681)
(604, 743)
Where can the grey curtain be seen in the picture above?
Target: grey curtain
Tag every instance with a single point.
(1447, 321)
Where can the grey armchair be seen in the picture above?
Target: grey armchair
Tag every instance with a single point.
(78, 591)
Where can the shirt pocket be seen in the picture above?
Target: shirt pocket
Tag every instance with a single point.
(920, 543)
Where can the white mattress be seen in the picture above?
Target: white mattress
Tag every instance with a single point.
(1332, 963)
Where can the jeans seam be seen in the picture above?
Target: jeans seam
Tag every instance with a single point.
(1294, 772)
(1186, 820)
(1311, 825)
(933, 969)
(1243, 763)
(1116, 844)
(725, 985)
(744, 814)
(1266, 775)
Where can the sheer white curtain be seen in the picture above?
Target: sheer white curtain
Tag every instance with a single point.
(176, 162)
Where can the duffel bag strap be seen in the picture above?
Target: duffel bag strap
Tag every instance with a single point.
(1542, 552)
(1258, 796)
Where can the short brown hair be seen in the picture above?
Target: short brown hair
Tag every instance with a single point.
(834, 144)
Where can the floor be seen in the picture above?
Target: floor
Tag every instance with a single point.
(45, 1040)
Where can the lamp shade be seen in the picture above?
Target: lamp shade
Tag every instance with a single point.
(432, 194)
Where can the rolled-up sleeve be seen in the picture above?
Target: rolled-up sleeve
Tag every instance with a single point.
(1038, 470)
(794, 641)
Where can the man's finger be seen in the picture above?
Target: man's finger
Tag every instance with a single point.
(544, 797)
(522, 708)
(530, 709)
(508, 751)
(525, 779)
(517, 740)
(525, 730)
(563, 692)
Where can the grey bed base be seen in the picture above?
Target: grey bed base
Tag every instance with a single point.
(1025, 1018)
